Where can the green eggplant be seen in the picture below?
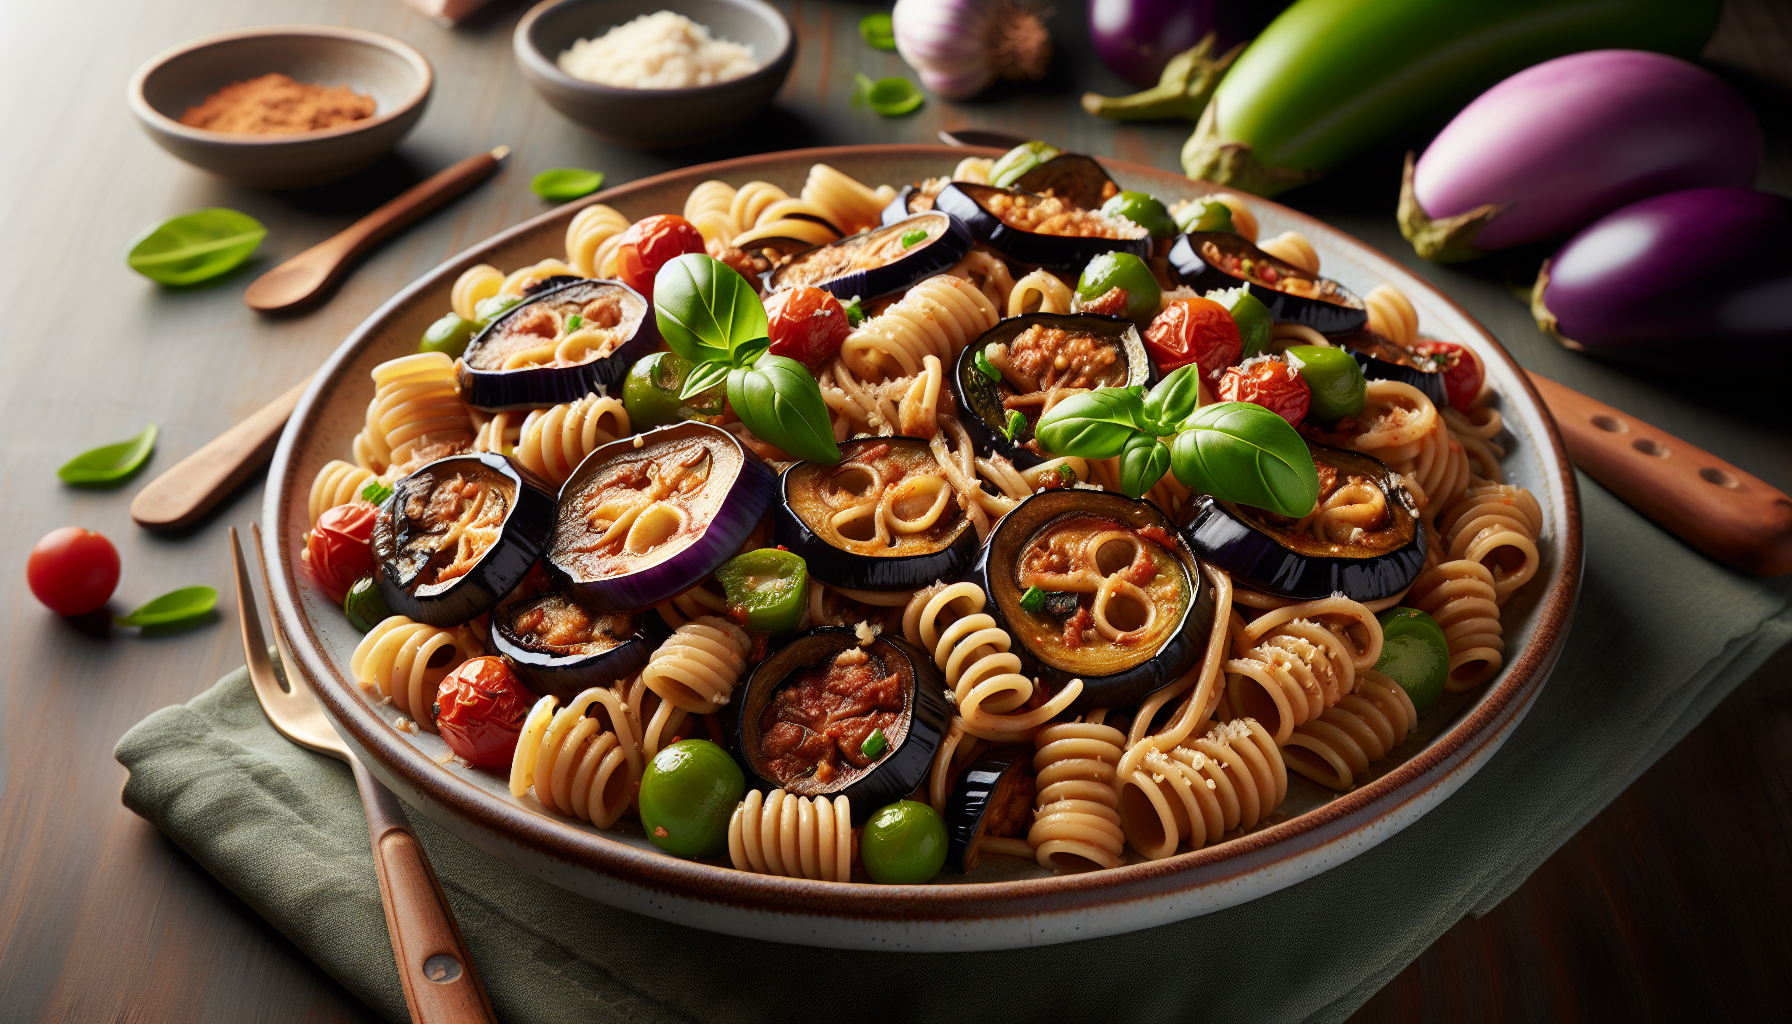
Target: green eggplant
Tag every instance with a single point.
(1329, 79)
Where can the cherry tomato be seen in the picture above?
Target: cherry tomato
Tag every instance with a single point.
(1461, 370)
(1194, 331)
(807, 324)
(1271, 383)
(72, 571)
(480, 707)
(649, 244)
(340, 549)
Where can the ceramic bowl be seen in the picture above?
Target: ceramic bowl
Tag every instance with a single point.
(395, 75)
(655, 118)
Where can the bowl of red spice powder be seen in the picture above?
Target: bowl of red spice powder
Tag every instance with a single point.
(286, 106)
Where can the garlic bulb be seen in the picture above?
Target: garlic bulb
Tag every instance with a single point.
(960, 46)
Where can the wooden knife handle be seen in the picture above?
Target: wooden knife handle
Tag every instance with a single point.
(1731, 515)
(441, 985)
(196, 483)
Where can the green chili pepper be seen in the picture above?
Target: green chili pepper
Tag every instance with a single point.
(1033, 600)
(1182, 91)
(770, 584)
(874, 745)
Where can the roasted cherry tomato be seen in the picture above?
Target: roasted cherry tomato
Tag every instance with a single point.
(1270, 383)
(1194, 331)
(650, 393)
(1334, 378)
(479, 708)
(340, 548)
(1126, 272)
(903, 844)
(1461, 370)
(72, 571)
(1414, 654)
(807, 324)
(649, 244)
(688, 793)
(1142, 209)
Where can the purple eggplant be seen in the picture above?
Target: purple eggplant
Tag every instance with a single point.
(1559, 145)
(1707, 267)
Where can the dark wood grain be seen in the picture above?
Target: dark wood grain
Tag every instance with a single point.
(1671, 904)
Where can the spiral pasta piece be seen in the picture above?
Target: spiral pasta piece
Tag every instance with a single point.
(1230, 779)
(1039, 292)
(697, 667)
(1076, 826)
(1395, 421)
(1459, 594)
(1342, 743)
(1496, 525)
(591, 240)
(792, 836)
(1243, 220)
(338, 483)
(1391, 315)
(552, 442)
(1289, 666)
(710, 208)
(1292, 247)
(989, 273)
(751, 200)
(847, 203)
(406, 660)
(474, 284)
(938, 317)
(416, 402)
(583, 766)
(988, 687)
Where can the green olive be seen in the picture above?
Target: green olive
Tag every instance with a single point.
(363, 605)
(650, 393)
(449, 336)
(1011, 166)
(688, 793)
(772, 585)
(903, 844)
(1414, 654)
(1142, 209)
(1252, 317)
(1334, 378)
(488, 309)
(1205, 215)
(1110, 270)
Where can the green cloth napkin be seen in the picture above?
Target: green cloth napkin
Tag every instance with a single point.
(1662, 635)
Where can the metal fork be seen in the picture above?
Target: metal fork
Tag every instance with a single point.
(440, 982)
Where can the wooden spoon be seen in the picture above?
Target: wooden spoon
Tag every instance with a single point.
(309, 274)
(187, 491)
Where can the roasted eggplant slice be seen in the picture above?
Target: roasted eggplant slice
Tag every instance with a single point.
(560, 647)
(1363, 539)
(1381, 359)
(558, 346)
(1037, 230)
(1205, 260)
(458, 534)
(1023, 352)
(883, 518)
(646, 518)
(878, 262)
(1142, 612)
(828, 715)
(1072, 177)
(993, 797)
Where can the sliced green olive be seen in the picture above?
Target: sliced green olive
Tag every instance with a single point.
(1142, 209)
(1205, 215)
(688, 793)
(650, 393)
(1414, 654)
(363, 605)
(1334, 378)
(1110, 270)
(1010, 166)
(449, 336)
(488, 309)
(1252, 317)
(903, 844)
(770, 585)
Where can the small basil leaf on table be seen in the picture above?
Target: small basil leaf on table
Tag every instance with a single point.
(1093, 425)
(1174, 399)
(781, 403)
(702, 377)
(705, 309)
(1143, 463)
(111, 463)
(877, 30)
(195, 247)
(560, 184)
(891, 97)
(174, 606)
(1240, 452)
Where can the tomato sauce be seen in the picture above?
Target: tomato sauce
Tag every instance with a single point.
(817, 724)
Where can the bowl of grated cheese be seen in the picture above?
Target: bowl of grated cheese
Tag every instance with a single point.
(636, 73)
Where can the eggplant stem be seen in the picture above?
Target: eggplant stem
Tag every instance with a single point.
(1182, 91)
(1208, 157)
(1546, 320)
(1443, 239)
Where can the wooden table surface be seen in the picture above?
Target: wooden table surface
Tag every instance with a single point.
(102, 919)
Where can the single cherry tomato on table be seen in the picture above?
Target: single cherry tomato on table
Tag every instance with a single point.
(1194, 331)
(479, 708)
(649, 244)
(807, 324)
(1270, 383)
(340, 548)
(1461, 370)
(72, 571)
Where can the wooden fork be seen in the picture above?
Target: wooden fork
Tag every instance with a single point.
(440, 982)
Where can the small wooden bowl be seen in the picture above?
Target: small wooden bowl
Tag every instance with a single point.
(397, 77)
(655, 118)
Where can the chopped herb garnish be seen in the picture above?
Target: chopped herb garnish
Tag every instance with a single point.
(1066, 475)
(375, 493)
(910, 239)
(855, 313)
(985, 367)
(874, 745)
(1016, 425)
(1033, 600)
(573, 322)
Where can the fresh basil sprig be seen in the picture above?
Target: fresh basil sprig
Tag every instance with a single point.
(711, 316)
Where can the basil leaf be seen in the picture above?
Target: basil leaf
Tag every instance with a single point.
(175, 606)
(195, 247)
(111, 463)
(1243, 453)
(1016, 425)
(891, 97)
(1175, 398)
(560, 184)
(704, 376)
(1093, 425)
(984, 366)
(781, 404)
(748, 352)
(1142, 464)
(705, 309)
(876, 30)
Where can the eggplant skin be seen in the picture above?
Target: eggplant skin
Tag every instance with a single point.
(975, 793)
(1188, 266)
(532, 387)
(1066, 254)
(1076, 179)
(1706, 267)
(567, 676)
(934, 257)
(1369, 348)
